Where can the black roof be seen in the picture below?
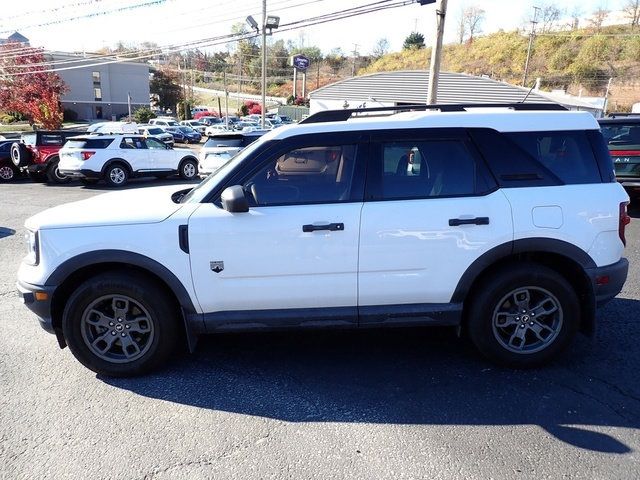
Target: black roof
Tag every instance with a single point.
(634, 120)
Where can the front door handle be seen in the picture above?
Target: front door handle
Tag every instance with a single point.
(456, 222)
(327, 226)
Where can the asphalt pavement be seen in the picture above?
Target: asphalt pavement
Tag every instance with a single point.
(390, 404)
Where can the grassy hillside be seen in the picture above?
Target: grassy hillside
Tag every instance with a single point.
(579, 59)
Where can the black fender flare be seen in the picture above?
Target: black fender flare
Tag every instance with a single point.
(193, 321)
(525, 245)
(116, 160)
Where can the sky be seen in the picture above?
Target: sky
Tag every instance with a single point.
(55, 25)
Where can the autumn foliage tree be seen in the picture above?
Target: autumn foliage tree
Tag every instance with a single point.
(27, 88)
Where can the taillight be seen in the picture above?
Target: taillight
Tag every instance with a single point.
(87, 155)
(623, 220)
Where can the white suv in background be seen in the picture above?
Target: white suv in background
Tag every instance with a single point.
(220, 147)
(116, 158)
(505, 222)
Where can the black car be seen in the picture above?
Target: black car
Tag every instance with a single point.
(622, 135)
(8, 171)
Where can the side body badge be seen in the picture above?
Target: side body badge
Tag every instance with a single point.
(217, 266)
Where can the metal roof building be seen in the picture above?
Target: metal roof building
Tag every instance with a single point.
(411, 86)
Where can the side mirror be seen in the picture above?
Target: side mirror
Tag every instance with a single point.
(234, 200)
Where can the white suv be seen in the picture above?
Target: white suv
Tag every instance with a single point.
(221, 147)
(116, 158)
(506, 223)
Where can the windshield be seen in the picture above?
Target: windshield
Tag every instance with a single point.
(155, 131)
(203, 188)
(186, 129)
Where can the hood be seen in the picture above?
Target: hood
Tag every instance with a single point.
(135, 206)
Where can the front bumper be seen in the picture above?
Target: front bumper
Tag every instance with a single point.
(608, 281)
(38, 299)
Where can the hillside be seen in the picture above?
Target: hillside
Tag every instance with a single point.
(581, 60)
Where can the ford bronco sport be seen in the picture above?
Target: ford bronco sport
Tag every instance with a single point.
(503, 221)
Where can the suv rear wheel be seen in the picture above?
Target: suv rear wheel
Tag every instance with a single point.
(523, 315)
(53, 172)
(120, 325)
(116, 175)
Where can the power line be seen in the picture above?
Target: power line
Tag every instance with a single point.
(333, 16)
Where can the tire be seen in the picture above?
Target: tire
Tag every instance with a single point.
(53, 172)
(188, 169)
(8, 172)
(523, 315)
(20, 154)
(116, 175)
(120, 325)
(89, 181)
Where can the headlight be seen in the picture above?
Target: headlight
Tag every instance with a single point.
(33, 256)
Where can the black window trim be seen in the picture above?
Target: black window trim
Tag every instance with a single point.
(275, 149)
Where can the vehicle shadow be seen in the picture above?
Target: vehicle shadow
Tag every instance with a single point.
(144, 182)
(416, 376)
(634, 209)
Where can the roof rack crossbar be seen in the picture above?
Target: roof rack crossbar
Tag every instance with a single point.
(343, 115)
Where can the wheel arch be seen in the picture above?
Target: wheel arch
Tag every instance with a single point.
(111, 161)
(185, 158)
(568, 260)
(74, 271)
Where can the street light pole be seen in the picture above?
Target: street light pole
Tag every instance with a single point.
(436, 53)
(264, 61)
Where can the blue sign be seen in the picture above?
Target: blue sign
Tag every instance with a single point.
(300, 62)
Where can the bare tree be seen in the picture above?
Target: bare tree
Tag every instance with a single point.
(576, 15)
(631, 11)
(473, 17)
(598, 17)
(462, 28)
(380, 48)
(549, 16)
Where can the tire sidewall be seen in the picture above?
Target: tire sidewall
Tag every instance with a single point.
(481, 309)
(53, 172)
(141, 291)
(107, 175)
(10, 168)
(183, 165)
(20, 154)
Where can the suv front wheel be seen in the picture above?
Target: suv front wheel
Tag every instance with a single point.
(523, 315)
(119, 325)
(188, 169)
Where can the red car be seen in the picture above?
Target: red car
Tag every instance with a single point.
(37, 154)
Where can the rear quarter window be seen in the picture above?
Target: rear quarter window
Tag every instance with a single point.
(566, 154)
(95, 143)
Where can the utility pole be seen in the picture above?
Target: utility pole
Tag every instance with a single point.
(436, 53)
(531, 36)
(264, 61)
(355, 55)
(606, 98)
(184, 89)
(226, 99)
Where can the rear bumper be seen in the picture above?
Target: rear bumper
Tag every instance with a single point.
(84, 173)
(608, 281)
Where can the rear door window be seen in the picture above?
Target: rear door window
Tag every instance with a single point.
(566, 154)
(431, 168)
(620, 135)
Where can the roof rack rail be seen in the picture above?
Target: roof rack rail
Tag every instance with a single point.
(343, 115)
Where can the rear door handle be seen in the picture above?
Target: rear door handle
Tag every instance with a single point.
(456, 222)
(327, 226)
